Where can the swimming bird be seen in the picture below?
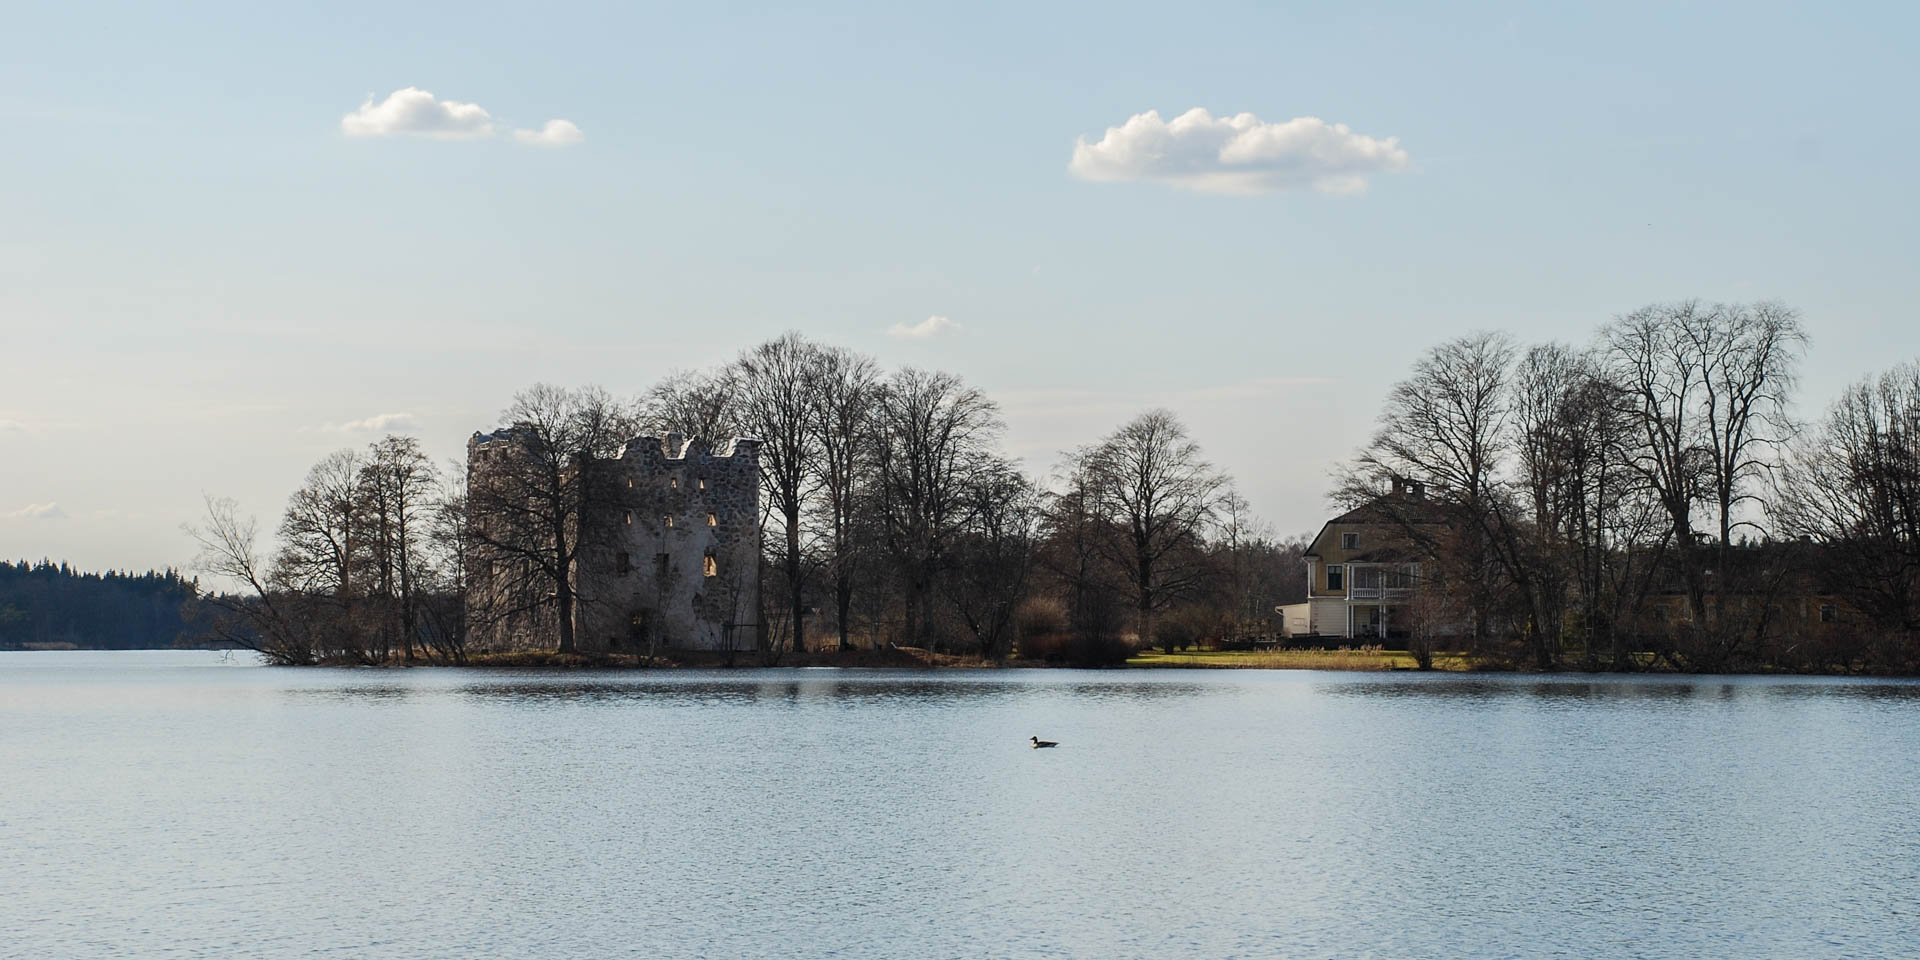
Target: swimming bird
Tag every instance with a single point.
(1038, 743)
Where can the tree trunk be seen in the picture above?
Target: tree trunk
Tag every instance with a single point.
(843, 603)
(563, 609)
(792, 513)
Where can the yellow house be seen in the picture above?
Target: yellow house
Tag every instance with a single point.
(1362, 570)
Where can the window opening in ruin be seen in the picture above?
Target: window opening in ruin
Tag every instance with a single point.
(711, 567)
(667, 520)
(703, 483)
(629, 518)
(1827, 613)
(713, 519)
(673, 482)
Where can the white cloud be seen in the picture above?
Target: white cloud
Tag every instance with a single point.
(12, 426)
(378, 423)
(924, 330)
(1238, 154)
(39, 511)
(411, 110)
(557, 133)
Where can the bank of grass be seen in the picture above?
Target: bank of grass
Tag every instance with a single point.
(915, 658)
(893, 658)
(1351, 659)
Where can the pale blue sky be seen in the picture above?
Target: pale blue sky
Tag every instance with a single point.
(202, 277)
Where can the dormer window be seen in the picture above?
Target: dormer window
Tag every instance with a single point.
(1349, 541)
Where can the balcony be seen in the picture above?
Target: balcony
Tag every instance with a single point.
(1381, 581)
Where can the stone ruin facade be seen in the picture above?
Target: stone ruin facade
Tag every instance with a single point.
(669, 555)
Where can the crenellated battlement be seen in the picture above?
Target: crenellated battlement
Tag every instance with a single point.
(681, 449)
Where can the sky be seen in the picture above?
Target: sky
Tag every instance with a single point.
(234, 237)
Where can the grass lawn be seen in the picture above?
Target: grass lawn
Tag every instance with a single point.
(1292, 660)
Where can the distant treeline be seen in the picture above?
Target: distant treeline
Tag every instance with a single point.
(52, 604)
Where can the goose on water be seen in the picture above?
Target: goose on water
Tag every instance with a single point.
(1038, 743)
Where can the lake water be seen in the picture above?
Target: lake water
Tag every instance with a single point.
(182, 804)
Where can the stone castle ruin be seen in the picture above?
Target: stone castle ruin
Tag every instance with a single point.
(669, 555)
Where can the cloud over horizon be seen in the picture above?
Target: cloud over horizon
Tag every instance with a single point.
(378, 423)
(1240, 154)
(38, 511)
(927, 329)
(411, 111)
(557, 133)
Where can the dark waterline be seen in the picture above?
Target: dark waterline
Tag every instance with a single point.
(189, 804)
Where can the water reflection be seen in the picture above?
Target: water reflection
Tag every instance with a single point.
(843, 689)
(1656, 689)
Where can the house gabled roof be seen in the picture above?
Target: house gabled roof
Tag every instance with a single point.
(1388, 509)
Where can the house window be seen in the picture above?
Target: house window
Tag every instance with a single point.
(1349, 541)
(622, 563)
(1336, 578)
(1366, 578)
(713, 519)
(710, 566)
(1828, 614)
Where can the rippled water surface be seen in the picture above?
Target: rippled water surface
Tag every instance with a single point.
(184, 805)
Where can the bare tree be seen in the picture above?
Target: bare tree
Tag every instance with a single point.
(1073, 530)
(445, 574)
(775, 383)
(1593, 526)
(846, 390)
(256, 619)
(993, 558)
(932, 433)
(1158, 496)
(398, 485)
(1706, 389)
(692, 403)
(324, 542)
(1855, 489)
